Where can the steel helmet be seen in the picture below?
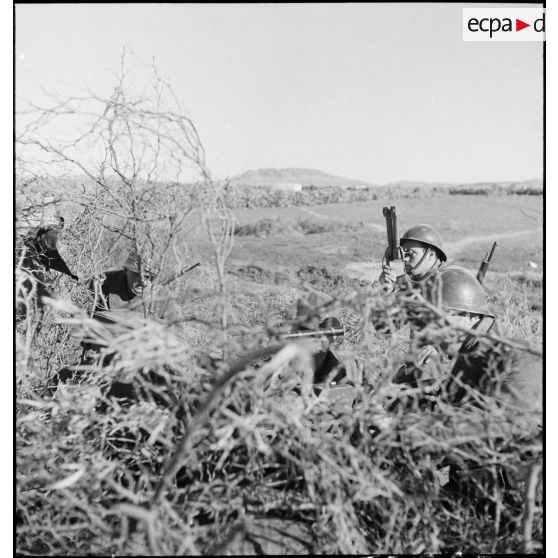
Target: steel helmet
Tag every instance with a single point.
(133, 264)
(42, 238)
(426, 235)
(310, 300)
(455, 288)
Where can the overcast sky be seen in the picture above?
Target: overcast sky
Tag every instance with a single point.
(375, 92)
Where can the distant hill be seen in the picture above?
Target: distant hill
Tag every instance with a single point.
(313, 177)
(305, 177)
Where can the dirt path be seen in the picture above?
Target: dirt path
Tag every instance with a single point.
(316, 214)
(459, 245)
(370, 270)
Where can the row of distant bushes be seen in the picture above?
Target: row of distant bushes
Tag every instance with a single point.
(264, 196)
(249, 196)
(267, 227)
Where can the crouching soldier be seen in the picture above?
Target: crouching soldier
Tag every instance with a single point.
(461, 297)
(423, 256)
(326, 334)
(469, 368)
(121, 289)
(462, 358)
(335, 372)
(482, 364)
(120, 286)
(39, 255)
(330, 365)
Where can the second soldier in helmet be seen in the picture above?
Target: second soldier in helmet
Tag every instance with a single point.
(462, 302)
(121, 286)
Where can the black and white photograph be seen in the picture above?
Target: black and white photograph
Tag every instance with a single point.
(279, 279)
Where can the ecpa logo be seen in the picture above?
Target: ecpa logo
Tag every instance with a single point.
(503, 24)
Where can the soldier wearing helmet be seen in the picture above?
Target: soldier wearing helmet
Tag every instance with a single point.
(332, 367)
(463, 359)
(459, 294)
(482, 364)
(460, 298)
(466, 364)
(308, 315)
(37, 255)
(423, 255)
(121, 286)
(117, 291)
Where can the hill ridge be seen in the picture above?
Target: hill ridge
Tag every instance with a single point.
(298, 175)
(270, 176)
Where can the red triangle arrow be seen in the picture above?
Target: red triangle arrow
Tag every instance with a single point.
(519, 25)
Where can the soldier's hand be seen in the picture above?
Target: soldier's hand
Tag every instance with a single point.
(387, 277)
(426, 354)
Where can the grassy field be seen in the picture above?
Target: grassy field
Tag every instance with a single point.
(264, 464)
(344, 243)
(341, 234)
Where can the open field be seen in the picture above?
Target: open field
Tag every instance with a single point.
(334, 245)
(337, 248)
(345, 242)
(352, 234)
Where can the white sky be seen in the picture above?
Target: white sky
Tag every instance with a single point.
(376, 92)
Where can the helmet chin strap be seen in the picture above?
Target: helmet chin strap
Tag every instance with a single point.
(484, 325)
(412, 274)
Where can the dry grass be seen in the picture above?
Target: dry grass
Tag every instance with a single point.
(256, 447)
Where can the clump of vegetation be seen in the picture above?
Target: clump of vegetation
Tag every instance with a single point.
(517, 299)
(276, 226)
(528, 188)
(338, 284)
(238, 196)
(205, 456)
(263, 227)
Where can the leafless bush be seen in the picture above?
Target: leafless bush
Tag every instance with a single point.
(131, 149)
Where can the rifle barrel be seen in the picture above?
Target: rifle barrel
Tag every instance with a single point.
(173, 276)
(485, 263)
(492, 251)
(318, 333)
